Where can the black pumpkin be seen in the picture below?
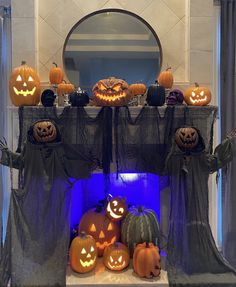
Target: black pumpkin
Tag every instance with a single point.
(79, 98)
(47, 98)
(156, 95)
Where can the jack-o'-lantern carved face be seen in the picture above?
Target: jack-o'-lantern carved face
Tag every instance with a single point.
(197, 96)
(116, 208)
(116, 256)
(186, 138)
(103, 230)
(44, 131)
(111, 92)
(83, 253)
(24, 86)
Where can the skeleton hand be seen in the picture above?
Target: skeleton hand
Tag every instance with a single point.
(3, 144)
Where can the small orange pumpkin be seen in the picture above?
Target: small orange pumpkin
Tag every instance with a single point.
(197, 96)
(137, 89)
(116, 256)
(166, 78)
(24, 86)
(65, 88)
(83, 253)
(56, 75)
(148, 253)
(116, 208)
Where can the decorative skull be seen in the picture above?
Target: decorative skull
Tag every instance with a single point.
(44, 131)
(175, 97)
(186, 138)
(111, 92)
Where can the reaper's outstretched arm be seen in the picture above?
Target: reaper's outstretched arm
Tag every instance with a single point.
(8, 157)
(223, 153)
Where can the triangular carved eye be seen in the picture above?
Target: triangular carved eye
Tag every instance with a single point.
(93, 228)
(102, 87)
(110, 227)
(193, 94)
(92, 249)
(117, 88)
(83, 251)
(120, 259)
(19, 79)
(111, 259)
(30, 79)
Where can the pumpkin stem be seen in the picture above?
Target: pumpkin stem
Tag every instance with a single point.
(196, 84)
(23, 62)
(147, 244)
(98, 208)
(140, 208)
(82, 234)
(64, 81)
(55, 64)
(168, 68)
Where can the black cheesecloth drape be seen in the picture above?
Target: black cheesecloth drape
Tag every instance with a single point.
(143, 142)
(228, 122)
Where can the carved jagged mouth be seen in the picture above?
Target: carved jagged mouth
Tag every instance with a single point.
(194, 101)
(116, 266)
(111, 97)
(44, 135)
(105, 243)
(24, 93)
(87, 263)
(189, 143)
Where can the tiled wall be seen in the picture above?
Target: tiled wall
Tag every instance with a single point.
(184, 28)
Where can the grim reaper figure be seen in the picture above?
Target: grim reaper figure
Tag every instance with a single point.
(35, 249)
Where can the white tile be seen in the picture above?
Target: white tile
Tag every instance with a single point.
(173, 45)
(177, 6)
(160, 17)
(90, 6)
(201, 67)
(30, 57)
(64, 17)
(138, 7)
(179, 73)
(56, 58)
(47, 6)
(112, 4)
(200, 8)
(201, 33)
(43, 73)
(23, 8)
(49, 42)
(23, 34)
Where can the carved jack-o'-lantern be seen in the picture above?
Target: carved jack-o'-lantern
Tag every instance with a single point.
(83, 253)
(186, 138)
(197, 96)
(103, 230)
(44, 131)
(111, 92)
(116, 208)
(24, 86)
(116, 256)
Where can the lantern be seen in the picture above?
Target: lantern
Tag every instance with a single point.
(116, 208)
(56, 75)
(148, 253)
(197, 96)
(24, 86)
(116, 256)
(166, 78)
(111, 92)
(105, 232)
(44, 131)
(83, 253)
(186, 138)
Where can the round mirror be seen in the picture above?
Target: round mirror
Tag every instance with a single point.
(112, 43)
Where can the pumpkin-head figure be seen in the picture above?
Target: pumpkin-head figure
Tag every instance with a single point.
(83, 253)
(116, 208)
(44, 131)
(111, 92)
(105, 232)
(116, 256)
(24, 86)
(187, 138)
(197, 96)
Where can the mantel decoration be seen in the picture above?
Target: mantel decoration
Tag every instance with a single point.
(197, 96)
(166, 78)
(83, 253)
(111, 92)
(79, 98)
(24, 86)
(44, 131)
(175, 97)
(48, 98)
(56, 75)
(156, 95)
(65, 88)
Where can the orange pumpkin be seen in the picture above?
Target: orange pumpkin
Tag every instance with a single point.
(56, 75)
(186, 138)
(105, 232)
(116, 256)
(197, 96)
(24, 86)
(65, 88)
(111, 92)
(83, 253)
(146, 260)
(137, 89)
(166, 78)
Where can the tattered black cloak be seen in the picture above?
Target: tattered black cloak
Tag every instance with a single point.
(36, 245)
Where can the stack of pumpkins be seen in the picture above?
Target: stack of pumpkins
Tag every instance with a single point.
(99, 233)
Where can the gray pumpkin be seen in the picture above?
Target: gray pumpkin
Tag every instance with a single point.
(140, 225)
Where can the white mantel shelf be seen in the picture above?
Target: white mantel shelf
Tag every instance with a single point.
(103, 277)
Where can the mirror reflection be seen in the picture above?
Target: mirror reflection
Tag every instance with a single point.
(111, 43)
